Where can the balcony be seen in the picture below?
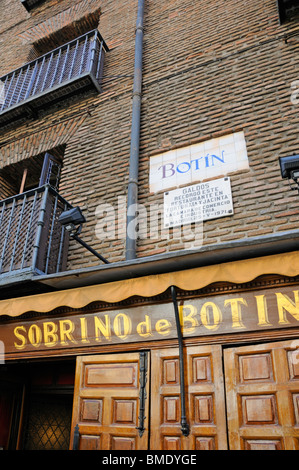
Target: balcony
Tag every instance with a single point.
(32, 241)
(73, 67)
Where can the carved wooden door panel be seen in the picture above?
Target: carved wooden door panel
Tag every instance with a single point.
(262, 387)
(107, 403)
(205, 407)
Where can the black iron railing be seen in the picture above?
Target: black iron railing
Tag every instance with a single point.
(31, 237)
(53, 76)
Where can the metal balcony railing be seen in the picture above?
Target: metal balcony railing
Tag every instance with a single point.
(62, 72)
(32, 240)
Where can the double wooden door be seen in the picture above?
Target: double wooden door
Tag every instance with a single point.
(236, 398)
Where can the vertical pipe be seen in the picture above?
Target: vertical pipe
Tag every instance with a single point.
(184, 424)
(135, 135)
(23, 182)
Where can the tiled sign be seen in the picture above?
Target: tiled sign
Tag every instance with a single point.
(212, 158)
(199, 202)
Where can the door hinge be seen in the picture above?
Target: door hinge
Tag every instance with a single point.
(76, 438)
(142, 393)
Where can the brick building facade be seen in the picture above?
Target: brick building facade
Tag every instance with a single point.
(218, 107)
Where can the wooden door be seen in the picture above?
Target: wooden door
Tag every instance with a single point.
(204, 396)
(262, 387)
(107, 403)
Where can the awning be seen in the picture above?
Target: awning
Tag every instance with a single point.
(286, 264)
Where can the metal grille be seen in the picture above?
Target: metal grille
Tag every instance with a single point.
(30, 235)
(62, 66)
(49, 423)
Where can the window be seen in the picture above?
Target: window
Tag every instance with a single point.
(40, 418)
(31, 173)
(32, 240)
(29, 4)
(288, 10)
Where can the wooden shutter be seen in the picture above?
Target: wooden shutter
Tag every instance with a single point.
(205, 395)
(262, 385)
(107, 403)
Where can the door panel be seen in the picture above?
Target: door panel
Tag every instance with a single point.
(262, 388)
(107, 404)
(205, 407)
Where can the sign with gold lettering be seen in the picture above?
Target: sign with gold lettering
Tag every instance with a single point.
(219, 314)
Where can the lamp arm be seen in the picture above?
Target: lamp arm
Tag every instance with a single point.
(79, 240)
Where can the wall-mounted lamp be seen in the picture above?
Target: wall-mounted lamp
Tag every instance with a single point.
(289, 167)
(72, 221)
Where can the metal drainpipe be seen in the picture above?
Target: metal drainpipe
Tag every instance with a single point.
(133, 192)
(184, 424)
(135, 135)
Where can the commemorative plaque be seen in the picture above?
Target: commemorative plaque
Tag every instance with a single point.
(199, 202)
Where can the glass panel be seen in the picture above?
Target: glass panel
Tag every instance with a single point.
(49, 423)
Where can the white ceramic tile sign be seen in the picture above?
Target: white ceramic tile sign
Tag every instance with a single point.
(209, 159)
(199, 202)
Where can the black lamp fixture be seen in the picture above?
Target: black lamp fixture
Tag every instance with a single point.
(289, 167)
(72, 221)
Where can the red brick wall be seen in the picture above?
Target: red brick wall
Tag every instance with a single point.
(210, 68)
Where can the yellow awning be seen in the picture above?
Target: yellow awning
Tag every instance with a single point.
(286, 264)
